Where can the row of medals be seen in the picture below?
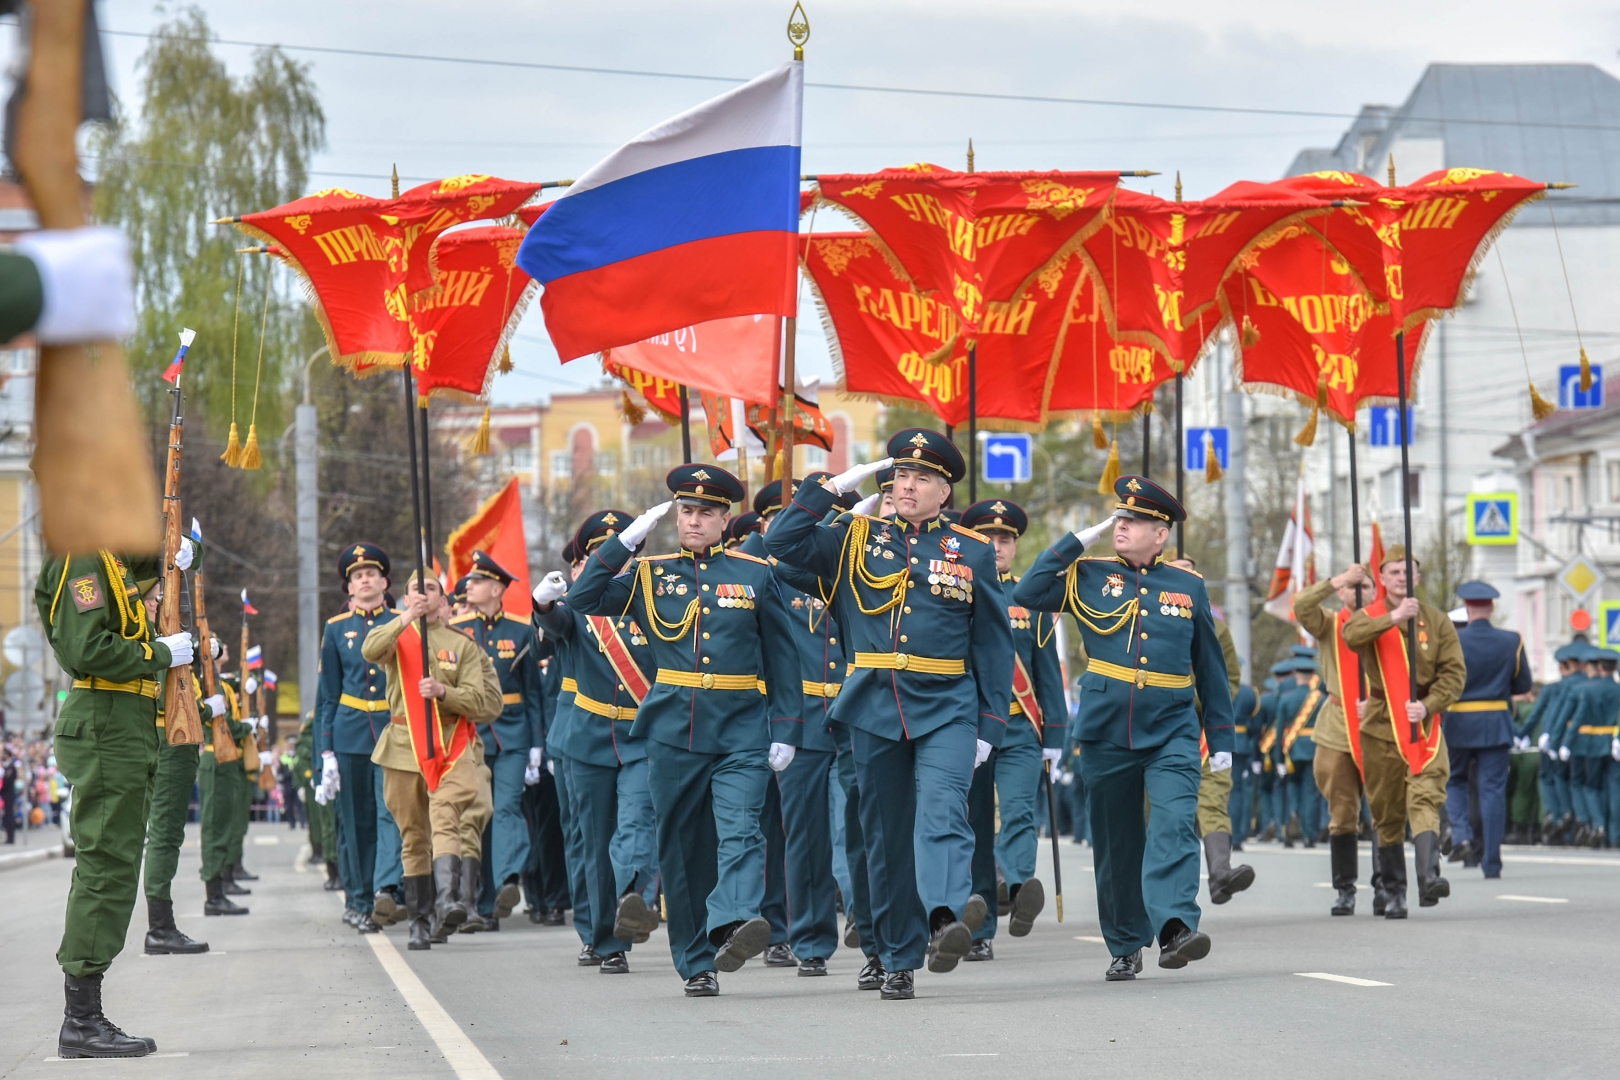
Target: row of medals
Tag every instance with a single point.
(950, 585)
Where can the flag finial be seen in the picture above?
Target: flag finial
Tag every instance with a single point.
(798, 29)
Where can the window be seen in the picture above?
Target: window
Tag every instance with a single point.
(1569, 493)
(607, 462)
(1389, 489)
(1614, 481)
(521, 459)
(815, 457)
(562, 464)
(640, 457)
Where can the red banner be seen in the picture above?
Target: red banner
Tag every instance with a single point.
(737, 357)
(662, 395)
(497, 528)
(460, 327)
(810, 426)
(426, 732)
(1417, 746)
(1097, 375)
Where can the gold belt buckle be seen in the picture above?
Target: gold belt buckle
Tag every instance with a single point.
(707, 682)
(901, 661)
(1141, 678)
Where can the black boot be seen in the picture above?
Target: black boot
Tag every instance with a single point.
(163, 938)
(1392, 861)
(448, 911)
(1342, 851)
(1223, 879)
(240, 873)
(469, 897)
(507, 897)
(333, 882)
(86, 1032)
(1432, 888)
(418, 910)
(1376, 881)
(230, 885)
(218, 903)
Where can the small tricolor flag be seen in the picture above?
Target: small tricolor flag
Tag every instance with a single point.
(196, 531)
(173, 372)
(247, 605)
(255, 658)
(269, 676)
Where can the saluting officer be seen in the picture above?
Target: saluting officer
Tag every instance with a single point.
(720, 635)
(923, 611)
(1150, 641)
(512, 742)
(1037, 722)
(1479, 727)
(605, 767)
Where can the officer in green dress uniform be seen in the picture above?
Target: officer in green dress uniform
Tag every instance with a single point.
(719, 635)
(1151, 644)
(107, 742)
(921, 606)
(512, 743)
(219, 787)
(1552, 775)
(1585, 738)
(545, 876)
(1298, 703)
(605, 766)
(1011, 778)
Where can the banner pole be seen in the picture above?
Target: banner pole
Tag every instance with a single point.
(686, 427)
(1355, 536)
(1406, 521)
(420, 545)
(1181, 469)
(789, 386)
(973, 421)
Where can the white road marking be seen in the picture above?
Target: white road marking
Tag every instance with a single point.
(1346, 979)
(301, 860)
(1561, 860)
(463, 1057)
(1533, 899)
(1324, 884)
(266, 841)
(1093, 940)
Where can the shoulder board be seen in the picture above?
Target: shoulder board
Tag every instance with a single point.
(459, 619)
(507, 616)
(1184, 570)
(970, 532)
(659, 558)
(339, 618)
(745, 555)
(1100, 558)
(456, 630)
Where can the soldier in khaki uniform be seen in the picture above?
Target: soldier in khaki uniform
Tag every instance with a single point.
(1394, 794)
(430, 797)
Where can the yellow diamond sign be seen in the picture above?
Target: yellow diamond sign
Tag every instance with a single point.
(1580, 576)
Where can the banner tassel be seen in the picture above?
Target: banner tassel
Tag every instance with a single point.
(1251, 333)
(1586, 372)
(250, 449)
(1110, 473)
(1099, 438)
(1307, 434)
(632, 413)
(1212, 462)
(478, 442)
(1540, 407)
(505, 363)
(232, 457)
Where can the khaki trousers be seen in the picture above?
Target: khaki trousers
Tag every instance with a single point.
(406, 796)
(476, 819)
(1340, 783)
(1395, 796)
(1214, 796)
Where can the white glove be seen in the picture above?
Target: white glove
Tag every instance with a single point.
(1563, 753)
(1053, 756)
(1545, 742)
(981, 753)
(216, 647)
(320, 794)
(216, 704)
(264, 724)
(1282, 768)
(552, 587)
(1220, 761)
(780, 757)
(637, 530)
(1087, 537)
(531, 775)
(551, 766)
(266, 759)
(181, 650)
(869, 505)
(331, 782)
(186, 553)
(1066, 777)
(1520, 743)
(88, 283)
(251, 685)
(1257, 767)
(1614, 749)
(850, 479)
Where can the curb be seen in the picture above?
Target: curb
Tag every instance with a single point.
(23, 858)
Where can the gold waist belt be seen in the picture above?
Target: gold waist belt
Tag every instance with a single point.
(822, 689)
(1594, 729)
(928, 665)
(143, 687)
(1139, 677)
(511, 699)
(707, 680)
(1480, 706)
(1015, 709)
(570, 684)
(602, 708)
(362, 704)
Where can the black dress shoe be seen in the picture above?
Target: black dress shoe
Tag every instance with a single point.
(555, 917)
(1003, 898)
(780, 955)
(974, 914)
(852, 935)
(1459, 852)
(703, 984)
(348, 915)
(615, 964)
(1026, 905)
(1345, 902)
(1124, 968)
(507, 898)
(812, 967)
(333, 882)
(949, 945)
(871, 976)
(898, 986)
(537, 916)
(746, 941)
(365, 924)
(982, 950)
(634, 920)
(1185, 944)
(588, 957)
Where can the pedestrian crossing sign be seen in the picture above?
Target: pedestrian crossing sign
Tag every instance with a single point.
(1493, 518)
(1609, 617)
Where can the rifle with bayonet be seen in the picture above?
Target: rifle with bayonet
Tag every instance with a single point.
(225, 748)
(182, 720)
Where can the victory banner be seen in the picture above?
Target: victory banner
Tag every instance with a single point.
(496, 527)
(1097, 375)
(459, 327)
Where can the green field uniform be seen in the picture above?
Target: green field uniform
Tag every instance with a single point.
(171, 803)
(1524, 774)
(322, 823)
(222, 788)
(106, 740)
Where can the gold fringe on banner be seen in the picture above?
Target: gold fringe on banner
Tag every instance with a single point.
(1307, 434)
(1099, 437)
(1540, 407)
(250, 449)
(478, 441)
(232, 457)
(1212, 462)
(633, 414)
(1110, 473)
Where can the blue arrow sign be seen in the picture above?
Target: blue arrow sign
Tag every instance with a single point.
(1385, 420)
(1199, 438)
(1007, 458)
(1569, 388)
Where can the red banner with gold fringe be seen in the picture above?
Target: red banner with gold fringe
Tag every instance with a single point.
(496, 527)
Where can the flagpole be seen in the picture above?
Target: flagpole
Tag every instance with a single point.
(418, 543)
(1355, 537)
(1406, 522)
(790, 384)
(686, 427)
(1181, 479)
(1147, 441)
(973, 422)
(427, 485)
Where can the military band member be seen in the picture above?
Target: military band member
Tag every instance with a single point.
(1151, 644)
(606, 768)
(719, 635)
(925, 617)
(1037, 722)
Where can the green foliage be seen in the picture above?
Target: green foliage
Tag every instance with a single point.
(204, 145)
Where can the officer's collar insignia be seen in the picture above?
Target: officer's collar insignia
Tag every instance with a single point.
(1132, 485)
(919, 439)
(701, 474)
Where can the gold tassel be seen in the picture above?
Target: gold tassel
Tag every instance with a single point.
(505, 363)
(633, 414)
(776, 467)
(1540, 407)
(1212, 462)
(250, 449)
(1110, 473)
(478, 441)
(1307, 434)
(1251, 333)
(1586, 371)
(1099, 438)
(232, 457)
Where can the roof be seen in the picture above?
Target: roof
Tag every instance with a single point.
(1554, 122)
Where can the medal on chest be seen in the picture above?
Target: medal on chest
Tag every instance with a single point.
(735, 596)
(351, 635)
(1114, 585)
(505, 648)
(1175, 603)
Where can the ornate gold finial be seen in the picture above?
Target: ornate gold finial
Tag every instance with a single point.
(798, 29)
(1392, 170)
(395, 181)
(970, 155)
(1178, 185)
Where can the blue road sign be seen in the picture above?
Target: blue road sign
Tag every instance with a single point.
(1609, 614)
(1006, 458)
(1199, 438)
(1385, 420)
(1493, 518)
(1569, 388)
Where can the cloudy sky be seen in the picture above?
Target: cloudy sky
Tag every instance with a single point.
(435, 118)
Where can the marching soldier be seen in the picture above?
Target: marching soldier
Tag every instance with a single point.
(1585, 734)
(512, 743)
(606, 767)
(1245, 736)
(1267, 790)
(1396, 797)
(1298, 704)
(922, 609)
(219, 787)
(107, 747)
(351, 712)
(322, 821)
(430, 753)
(1537, 729)
(1151, 642)
(717, 628)
(1479, 726)
(1037, 722)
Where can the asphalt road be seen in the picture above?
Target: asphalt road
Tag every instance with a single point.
(1507, 978)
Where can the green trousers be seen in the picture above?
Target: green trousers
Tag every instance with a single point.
(166, 824)
(220, 802)
(1524, 793)
(322, 826)
(244, 813)
(107, 747)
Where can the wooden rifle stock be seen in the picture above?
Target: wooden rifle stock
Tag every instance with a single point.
(182, 720)
(225, 748)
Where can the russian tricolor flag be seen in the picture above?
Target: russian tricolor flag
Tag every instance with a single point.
(694, 220)
(247, 605)
(172, 372)
(255, 658)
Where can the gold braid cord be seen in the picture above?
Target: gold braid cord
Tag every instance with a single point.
(1086, 613)
(855, 557)
(682, 628)
(126, 616)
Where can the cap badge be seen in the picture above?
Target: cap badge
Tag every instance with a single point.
(701, 474)
(610, 518)
(699, 489)
(916, 453)
(1130, 500)
(919, 439)
(359, 549)
(998, 507)
(1132, 485)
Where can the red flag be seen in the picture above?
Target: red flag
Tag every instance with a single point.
(735, 357)
(1098, 375)
(497, 528)
(460, 327)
